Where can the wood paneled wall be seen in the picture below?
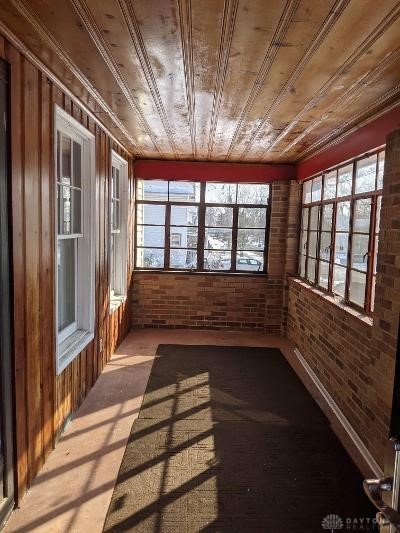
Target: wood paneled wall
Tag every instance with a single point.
(44, 401)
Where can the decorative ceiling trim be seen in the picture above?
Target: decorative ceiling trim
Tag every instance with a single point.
(57, 49)
(269, 58)
(354, 123)
(185, 19)
(344, 100)
(227, 28)
(316, 42)
(390, 19)
(137, 39)
(95, 34)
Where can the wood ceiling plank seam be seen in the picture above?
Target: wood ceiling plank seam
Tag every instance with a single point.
(25, 10)
(95, 34)
(138, 42)
(355, 122)
(385, 23)
(227, 29)
(185, 20)
(282, 27)
(346, 98)
(316, 43)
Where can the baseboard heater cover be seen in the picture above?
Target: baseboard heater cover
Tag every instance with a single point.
(352, 434)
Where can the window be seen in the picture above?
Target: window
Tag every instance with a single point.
(119, 196)
(74, 156)
(182, 225)
(340, 228)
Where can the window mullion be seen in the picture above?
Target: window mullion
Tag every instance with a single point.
(167, 243)
(201, 227)
(371, 253)
(235, 221)
(332, 247)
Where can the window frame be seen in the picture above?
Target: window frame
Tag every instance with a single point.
(202, 205)
(352, 198)
(118, 286)
(72, 340)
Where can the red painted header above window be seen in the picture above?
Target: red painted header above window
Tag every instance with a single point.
(360, 141)
(207, 171)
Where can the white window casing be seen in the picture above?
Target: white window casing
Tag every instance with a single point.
(119, 237)
(72, 340)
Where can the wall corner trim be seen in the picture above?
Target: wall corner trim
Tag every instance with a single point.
(348, 428)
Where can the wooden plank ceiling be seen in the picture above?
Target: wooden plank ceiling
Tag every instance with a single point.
(222, 80)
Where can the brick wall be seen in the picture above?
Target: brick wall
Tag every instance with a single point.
(226, 301)
(354, 359)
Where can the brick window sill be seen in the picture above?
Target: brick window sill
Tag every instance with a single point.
(333, 300)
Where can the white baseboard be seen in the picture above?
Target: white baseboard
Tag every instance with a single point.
(362, 449)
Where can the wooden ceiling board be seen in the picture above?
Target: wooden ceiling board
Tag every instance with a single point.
(219, 80)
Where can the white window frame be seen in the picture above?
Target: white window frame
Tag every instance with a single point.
(118, 286)
(73, 339)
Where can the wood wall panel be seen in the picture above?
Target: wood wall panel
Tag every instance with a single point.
(44, 402)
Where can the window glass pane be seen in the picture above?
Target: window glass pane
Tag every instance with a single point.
(116, 193)
(341, 247)
(183, 259)
(316, 189)
(64, 210)
(152, 190)
(250, 261)
(376, 252)
(76, 210)
(252, 217)
(66, 283)
(219, 216)
(115, 215)
(362, 215)
(218, 239)
(325, 245)
(183, 237)
(357, 288)
(221, 193)
(373, 287)
(359, 251)
(77, 160)
(314, 217)
(378, 214)
(339, 280)
(307, 191)
(365, 174)
(250, 239)
(343, 216)
(311, 270)
(304, 218)
(327, 213)
(184, 191)
(303, 242)
(184, 215)
(151, 214)
(148, 258)
(250, 193)
(323, 274)
(381, 165)
(150, 236)
(312, 244)
(330, 185)
(217, 260)
(345, 178)
(302, 266)
(65, 160)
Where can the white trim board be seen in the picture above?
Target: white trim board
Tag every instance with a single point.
(348, 428)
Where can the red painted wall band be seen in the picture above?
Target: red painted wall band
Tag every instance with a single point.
(208, 171)
(363, 140)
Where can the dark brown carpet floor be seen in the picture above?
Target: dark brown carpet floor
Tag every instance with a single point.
(228, 439)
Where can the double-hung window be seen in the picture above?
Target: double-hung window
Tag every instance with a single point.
(74, 157)
(340, 228)
(206, 226)
(118, 229)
